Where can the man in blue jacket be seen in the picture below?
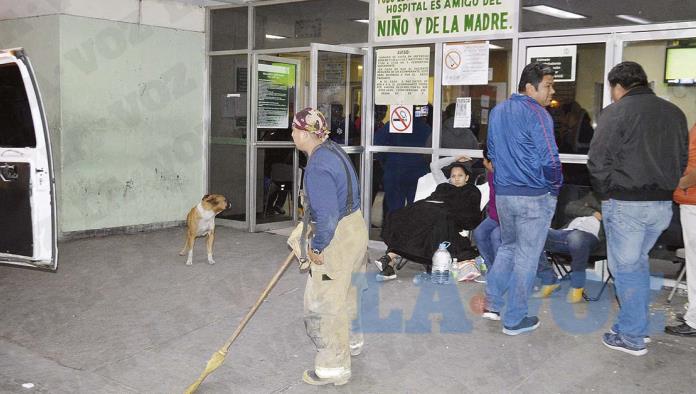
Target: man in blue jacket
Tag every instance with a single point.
(527, 180)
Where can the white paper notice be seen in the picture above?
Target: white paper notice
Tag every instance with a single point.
(485, 101)
(465, 64)
(401, 119)
(401, 76)
(462, 113)
(484, 116)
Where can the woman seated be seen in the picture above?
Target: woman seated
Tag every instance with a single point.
(416, 230)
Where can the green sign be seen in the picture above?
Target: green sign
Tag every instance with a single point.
(275, 82)
(407, 19)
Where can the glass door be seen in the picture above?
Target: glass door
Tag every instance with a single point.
(337, 89)
(581, 65)
(273, 161)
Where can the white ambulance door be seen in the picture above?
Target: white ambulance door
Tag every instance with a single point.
(28, 234)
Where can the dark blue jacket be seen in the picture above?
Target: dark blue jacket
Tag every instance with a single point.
(327, 190)
(523, 149)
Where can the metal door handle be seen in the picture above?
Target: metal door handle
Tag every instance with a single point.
(8, 172)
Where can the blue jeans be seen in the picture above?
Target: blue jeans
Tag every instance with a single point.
(545, 270)
(579, 245)
(632, 228)
(524, 223)
(487, 237)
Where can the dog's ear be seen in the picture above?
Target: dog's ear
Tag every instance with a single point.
(205, 197)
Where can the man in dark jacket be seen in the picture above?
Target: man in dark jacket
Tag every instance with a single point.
(527, 179)
(636, 158)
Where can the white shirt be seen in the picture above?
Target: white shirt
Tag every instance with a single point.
(588, 224)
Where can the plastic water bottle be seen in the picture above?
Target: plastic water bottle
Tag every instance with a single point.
(442, 263)
(454, 271)
(481, 264)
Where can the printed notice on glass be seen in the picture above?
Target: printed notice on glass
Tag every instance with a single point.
(465, 64)
(274, 92)
(562, 59)
(401, 76)
(462, 113)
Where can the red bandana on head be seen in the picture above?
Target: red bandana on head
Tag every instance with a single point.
(312, 121)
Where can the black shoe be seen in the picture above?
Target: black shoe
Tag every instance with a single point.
(679, 317)
(683, 330)
(529, 323)
(383, 262)
(386, 274)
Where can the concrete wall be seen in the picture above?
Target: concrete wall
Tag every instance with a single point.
(133, 139)
(124, 88)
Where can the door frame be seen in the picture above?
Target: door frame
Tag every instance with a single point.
(366, 110)
(254, 145)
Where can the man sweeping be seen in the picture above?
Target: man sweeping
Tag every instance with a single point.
(336, 251)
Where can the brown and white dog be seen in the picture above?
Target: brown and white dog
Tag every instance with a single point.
(201, 223)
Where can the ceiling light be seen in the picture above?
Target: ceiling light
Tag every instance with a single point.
(361, 20)
(555, 12)
(274, 37)
(634, 19)
(493, 46)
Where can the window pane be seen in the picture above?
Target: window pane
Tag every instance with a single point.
(576, 105)
(228, 135)
(356, 95)
(576, 184)
(421, 135)
(16, 123)
(483, 99)
(598, 13)
(332, 88)
(228, 91)
(394, 182)
(300, 24)
(229, 28)
(651, 55)
(274, 184)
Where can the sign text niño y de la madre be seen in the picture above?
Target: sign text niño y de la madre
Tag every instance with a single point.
(407, 19)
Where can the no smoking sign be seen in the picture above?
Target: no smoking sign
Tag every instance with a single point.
(401, 119)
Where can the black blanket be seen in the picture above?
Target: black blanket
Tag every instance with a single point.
(416, 230)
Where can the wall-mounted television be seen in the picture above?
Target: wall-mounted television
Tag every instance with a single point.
(680, 66)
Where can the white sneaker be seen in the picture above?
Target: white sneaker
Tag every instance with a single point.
(491, 315)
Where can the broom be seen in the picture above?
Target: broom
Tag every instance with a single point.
(219, 356)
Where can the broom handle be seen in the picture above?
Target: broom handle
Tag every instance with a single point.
(262, 297)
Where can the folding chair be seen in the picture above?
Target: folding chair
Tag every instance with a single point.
(558, 260)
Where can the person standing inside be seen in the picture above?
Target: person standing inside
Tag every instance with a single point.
(685, 195)
(336, 252)
(527, 180)
(637, 155)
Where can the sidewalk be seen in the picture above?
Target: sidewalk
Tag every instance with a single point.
(123, 314)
